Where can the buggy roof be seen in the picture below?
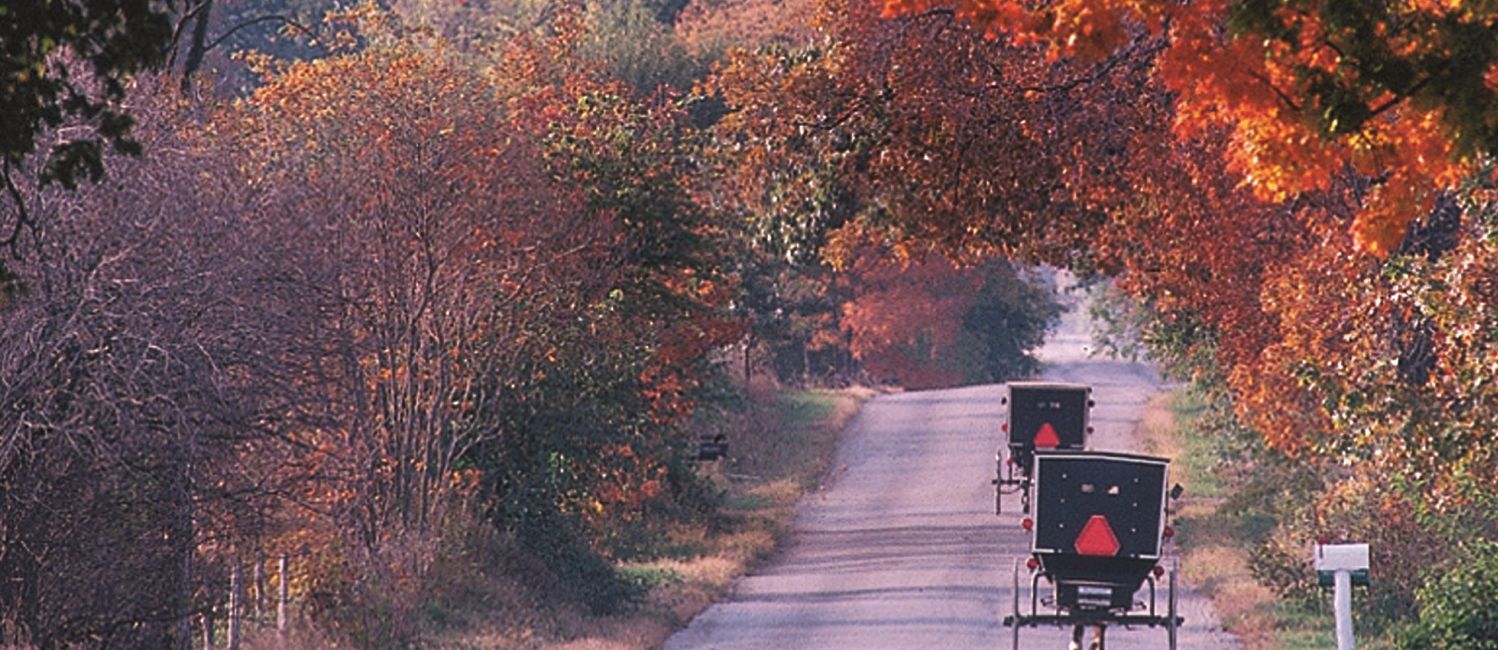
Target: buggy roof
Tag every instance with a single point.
(1051, 385)
(1112, 455)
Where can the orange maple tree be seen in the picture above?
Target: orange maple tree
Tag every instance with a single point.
(977, 146)
(1403, 93)
(905, 319)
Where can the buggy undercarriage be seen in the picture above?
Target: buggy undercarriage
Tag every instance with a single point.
(1140, 614)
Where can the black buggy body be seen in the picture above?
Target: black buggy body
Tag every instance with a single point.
(1096, 534)
(1043, 416)
(1099, 520)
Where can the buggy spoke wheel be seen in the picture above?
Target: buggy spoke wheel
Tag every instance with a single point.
(1016, 604)
(1170, 623)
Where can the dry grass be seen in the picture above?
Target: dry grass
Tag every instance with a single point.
(781, 454)
(1215, 561)
(781, 449)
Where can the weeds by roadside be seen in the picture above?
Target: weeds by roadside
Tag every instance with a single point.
(1220, 528)
(781, 445)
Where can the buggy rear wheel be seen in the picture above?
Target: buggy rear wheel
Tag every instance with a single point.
(1171, 628)
(998, 482)
(1016, 604)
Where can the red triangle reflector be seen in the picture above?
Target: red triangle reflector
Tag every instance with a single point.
(1097, 538)
(1046, 437)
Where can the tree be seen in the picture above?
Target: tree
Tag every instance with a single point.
(444, 251)
(1400, 93)
(146, 381)
(932, 323)
(69, 63)
(951, 143)
(1231, 171)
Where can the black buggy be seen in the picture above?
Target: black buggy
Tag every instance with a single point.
(1041, 415)
(1095, 538)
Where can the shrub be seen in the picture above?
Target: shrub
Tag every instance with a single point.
(407, 590)
(1459, 607)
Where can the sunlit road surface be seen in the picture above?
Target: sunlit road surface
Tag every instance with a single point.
(901, 548)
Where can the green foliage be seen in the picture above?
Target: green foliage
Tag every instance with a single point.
(592, 460)
(632, 42)
(630, 161)
(1457, 603)
(560, 480)
(1118, 320)
(1373, 68)
(1007, 322)
(793, 309)
(69, 62)
(1127, 326)
(545, 476)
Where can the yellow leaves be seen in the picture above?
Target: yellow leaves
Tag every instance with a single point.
(1438, 7)
(1279, 159)
(1381, 224)
(1417, 161)
(1089, 30)
(894, 8)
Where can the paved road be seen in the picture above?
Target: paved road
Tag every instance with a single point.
(901, 549)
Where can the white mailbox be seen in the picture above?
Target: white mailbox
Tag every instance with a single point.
(1341, 566)
(1331, 558)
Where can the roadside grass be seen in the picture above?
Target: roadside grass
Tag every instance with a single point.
(1214, 537)
(782, 452)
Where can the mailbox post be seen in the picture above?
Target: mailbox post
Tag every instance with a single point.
(1342, 565)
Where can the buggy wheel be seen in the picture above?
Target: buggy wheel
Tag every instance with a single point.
(1171, 628)
(1016, 604)
(998, 482)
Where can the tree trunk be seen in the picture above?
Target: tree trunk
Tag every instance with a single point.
(207, 629)
(259, 583)
(185, 546)
(198, 46)
(234, 597)
(281, 600)
(805, 365)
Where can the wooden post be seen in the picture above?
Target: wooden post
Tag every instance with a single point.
(748, 369)
(1342, 599)
(235, 589)
(208, 628)
(259, 584)
(184, 592)
(281, 601)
